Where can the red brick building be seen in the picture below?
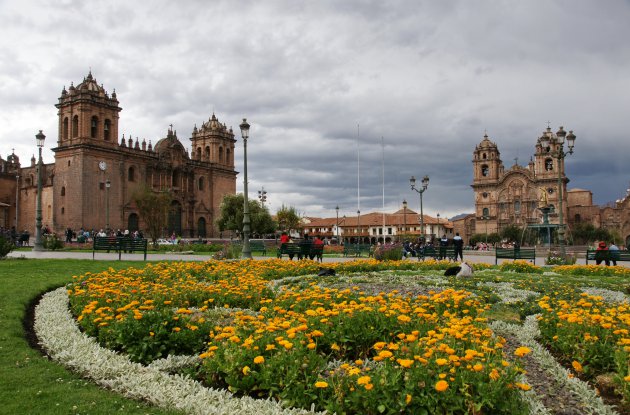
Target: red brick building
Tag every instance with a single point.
(95, 173)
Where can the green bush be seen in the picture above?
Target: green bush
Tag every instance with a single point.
(6, 246)
(52, 243)
(388, 252)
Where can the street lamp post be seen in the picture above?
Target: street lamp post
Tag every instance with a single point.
(438, 226)
(17, 201)
(262, 196)
(40, 137)
(404, 217)
(337, 227)
(247, 253)
(108, 184)
(425, 184)
(557, 152)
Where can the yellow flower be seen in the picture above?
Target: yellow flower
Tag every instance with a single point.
(478, 367)
(441, 386)
(246, 370)
(364, 380)
(522, 351)
(385, 354)
(441, 362)
(406, 363)
(259, 360)
(523, 386)
(577, 366)
(408, 399)
(321, 384)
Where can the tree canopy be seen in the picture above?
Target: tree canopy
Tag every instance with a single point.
(231, 217)
(153, 208)
(288, 218)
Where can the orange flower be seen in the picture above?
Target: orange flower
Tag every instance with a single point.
(441, 386)
(577, 366)
(259, 360)
(321, 384)
(522, 351)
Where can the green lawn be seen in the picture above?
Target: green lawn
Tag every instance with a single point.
(31, 384)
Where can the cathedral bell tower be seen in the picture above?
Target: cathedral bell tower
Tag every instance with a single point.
(487, 163)
(213, 143)
(88, 115)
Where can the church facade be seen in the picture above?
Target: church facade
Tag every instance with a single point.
(95, 175)
(513, 196)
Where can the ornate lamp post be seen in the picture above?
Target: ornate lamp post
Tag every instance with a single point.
(405, 216)
(438, 226)
(262, 196)
(337, 228)
(425, 184)
(246, 253)
(108, 184)
(555, 144)
(40, 137)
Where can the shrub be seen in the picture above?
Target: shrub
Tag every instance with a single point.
(51, 242)
(521, 266)
(6, 246)
(391, 252)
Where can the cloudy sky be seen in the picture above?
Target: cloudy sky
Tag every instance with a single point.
(413, 83)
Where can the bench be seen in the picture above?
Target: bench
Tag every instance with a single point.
(258, 246)
(290, 250)
(515, 253)
(438, 253)
(357, 249)
(607, 255)
(316, 252)
(112, 243)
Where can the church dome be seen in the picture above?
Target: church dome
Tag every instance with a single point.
(486, 144)
(89, 84)
(170, 144)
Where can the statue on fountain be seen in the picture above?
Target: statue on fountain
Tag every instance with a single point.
(543, 201)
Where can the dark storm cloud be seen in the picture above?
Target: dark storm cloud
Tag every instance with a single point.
(429, 77)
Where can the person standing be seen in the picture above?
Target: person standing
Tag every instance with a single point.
(443, 245)
(614, 253)
(458, 243)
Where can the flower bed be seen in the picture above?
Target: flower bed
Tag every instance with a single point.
(358, 346)
(336, 349)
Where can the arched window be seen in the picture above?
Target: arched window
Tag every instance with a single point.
(227, 156)
(200, 183)
(485, 212)
(176, 180)
(132, 222)
(131, 174)
(548, 164)
(220, 154)
(198, 153)
(75, 126)
(207, 153)
(517, 206)
(484, 170)
(64, 129)
(63, 190)
(106, 128)
(94, 127)
(484, 156)
(578, 218)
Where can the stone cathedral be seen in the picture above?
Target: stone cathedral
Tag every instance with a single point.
(512, 197)
(96, 172)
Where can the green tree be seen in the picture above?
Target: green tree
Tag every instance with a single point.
(153, 208)
(231, 216)
(512, 233)
(288, 219)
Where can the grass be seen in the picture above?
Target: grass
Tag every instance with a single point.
(32, 384)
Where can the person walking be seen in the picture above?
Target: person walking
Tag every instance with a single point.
(458, 243)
